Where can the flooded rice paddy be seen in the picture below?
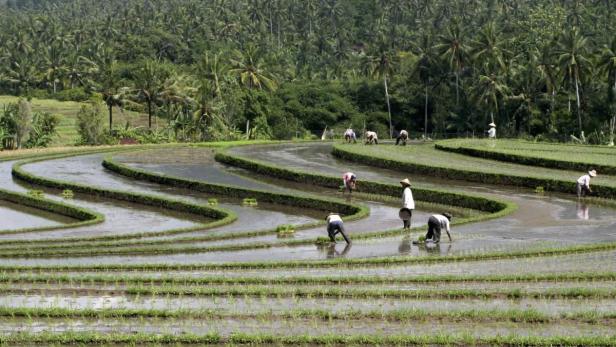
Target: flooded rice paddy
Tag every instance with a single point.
(134, 235)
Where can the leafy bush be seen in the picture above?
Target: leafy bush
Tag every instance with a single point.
(43, 130)
(74, 94)
(90, 121)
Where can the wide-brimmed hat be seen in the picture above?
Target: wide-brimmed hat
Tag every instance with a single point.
(592, 173)
(447, 215)
(406, 182)
(492, 125)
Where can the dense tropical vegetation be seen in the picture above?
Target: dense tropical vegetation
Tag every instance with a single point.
(284, 68)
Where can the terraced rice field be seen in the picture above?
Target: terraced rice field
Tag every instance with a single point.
(591, 155)
(158, 246)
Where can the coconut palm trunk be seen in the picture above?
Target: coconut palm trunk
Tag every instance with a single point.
(426, 114)
(391, 132)
(110, 116)
(577, 99)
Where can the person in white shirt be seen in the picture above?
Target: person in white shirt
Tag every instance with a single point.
(349, 135)
(349, 180)
(492, 131)
(583, 184)
(436, 223)
(335, 226)
(372, 138)
(408, 204)
(402, 137)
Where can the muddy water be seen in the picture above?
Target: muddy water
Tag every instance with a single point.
(88, 170)
(13, 216)
(120, 217)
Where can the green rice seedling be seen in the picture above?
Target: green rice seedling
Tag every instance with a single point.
(35, 193)
(68, 194)
(212, 201)
(539, 190)
(285, 230)
(250, 202)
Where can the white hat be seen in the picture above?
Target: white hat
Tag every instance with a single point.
(492, 125)
(406, 182)
(592, 173)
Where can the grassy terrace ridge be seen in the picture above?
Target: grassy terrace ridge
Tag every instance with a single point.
(221, 216)
(83, 216)
(496, 208)
(495, 315)
(7, 278)
(550, 155)
(427, 159)
(77, 338)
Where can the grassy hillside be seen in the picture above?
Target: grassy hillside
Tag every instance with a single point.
(67, 112)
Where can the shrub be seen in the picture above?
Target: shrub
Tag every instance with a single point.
(43, 130)
(90, 121)
(74, 94)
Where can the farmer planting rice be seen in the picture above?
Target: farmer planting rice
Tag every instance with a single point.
(335, 226)
(349, 135)
(372, 138)
(436, 223)
(349, 180)
(492, 131)
(583, 184)
(408, 204)
(402, 137)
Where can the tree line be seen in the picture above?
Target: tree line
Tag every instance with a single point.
(281, 68)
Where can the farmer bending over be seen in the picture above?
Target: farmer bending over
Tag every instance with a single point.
(372, 138)
(402, 137)
(349, 135)
(583, 184)
(436, 222)
(335, 226)
(349, 179)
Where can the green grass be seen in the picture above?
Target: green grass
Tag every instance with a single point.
(591, 155)
(427, 155)
(67, 113)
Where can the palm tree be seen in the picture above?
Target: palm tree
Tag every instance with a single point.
(488, 90)
(454, 50)
(149, 82)
(607, 62)
(427, 61)
(114, 94)
(55, 64)
(382, 66)
(211, 70)
(488, 49)
(248, 66)
(571, 51)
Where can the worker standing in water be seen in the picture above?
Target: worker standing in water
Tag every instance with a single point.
(583, 184)
(335, 226)
(402, 137)
(492, 131)
(372, 138)
(408, 204)
(349, 180)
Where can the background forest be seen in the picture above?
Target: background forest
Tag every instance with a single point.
(211, 70)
